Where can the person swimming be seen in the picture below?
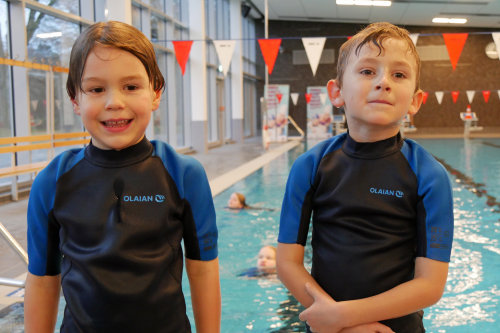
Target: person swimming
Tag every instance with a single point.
(238, 201)
(265, 265)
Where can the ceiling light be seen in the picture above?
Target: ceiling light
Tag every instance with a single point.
(364, 3)
(453, 20)
(50, 34)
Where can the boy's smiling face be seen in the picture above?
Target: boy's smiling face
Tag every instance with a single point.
(117, 98)
(378, 90)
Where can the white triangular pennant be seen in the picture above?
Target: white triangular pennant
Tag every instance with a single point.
(414, 38)
(314, 48)
(322, 96)
(225, 49)
(295, 98)
(470, 95)
(498, 91)
(496, 39)
(439, 96)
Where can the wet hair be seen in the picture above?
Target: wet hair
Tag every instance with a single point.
(271, 247)
(241, 199)
(375, 34)
(115, 34)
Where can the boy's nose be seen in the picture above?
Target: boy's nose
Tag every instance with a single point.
(383, 83)
(114, 100)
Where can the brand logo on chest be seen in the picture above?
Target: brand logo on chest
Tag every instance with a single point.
(158, 198)
(388, 192)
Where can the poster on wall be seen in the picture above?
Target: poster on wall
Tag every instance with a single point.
(276, 124)
(319, 113)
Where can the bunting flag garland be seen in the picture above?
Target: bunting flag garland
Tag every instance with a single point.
(439, 96)
(414, 38)
(425, 95)
(496, 39)
(454, 95)
(225, 50)
(295, 98)
(269, 49)
(182, 49)
(308, 97)
(486, 95)
(455, 44)
(314, 48)
(470, 95)
(279, 96)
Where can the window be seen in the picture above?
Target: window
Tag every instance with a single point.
(5, 77)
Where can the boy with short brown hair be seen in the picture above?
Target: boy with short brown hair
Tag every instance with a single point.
(382, 209)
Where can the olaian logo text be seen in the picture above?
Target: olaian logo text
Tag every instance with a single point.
(144, 198)
(382, 191)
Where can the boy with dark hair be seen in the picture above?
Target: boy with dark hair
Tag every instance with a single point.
(382, 210)
(106, 222)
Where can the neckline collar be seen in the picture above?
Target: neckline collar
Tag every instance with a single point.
(118, 158)
(372, 150)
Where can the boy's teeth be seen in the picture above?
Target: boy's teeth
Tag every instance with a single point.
(116, 123)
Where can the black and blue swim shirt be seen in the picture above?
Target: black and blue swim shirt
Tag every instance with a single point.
(375, 207)
(111, 223)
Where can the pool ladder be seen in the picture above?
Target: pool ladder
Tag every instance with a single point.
(19, 250)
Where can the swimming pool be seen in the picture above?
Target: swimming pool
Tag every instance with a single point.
(470, 302)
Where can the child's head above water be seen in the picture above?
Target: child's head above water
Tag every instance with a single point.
(237, 201)
(266, 259)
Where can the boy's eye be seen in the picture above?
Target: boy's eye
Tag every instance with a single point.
(131, 87)
(366, 72)
(400, 75)
(96, 90)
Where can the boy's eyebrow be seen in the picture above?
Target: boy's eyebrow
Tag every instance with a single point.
(374, 60)
(125, 78)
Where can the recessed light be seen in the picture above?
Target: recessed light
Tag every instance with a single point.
(453, 20)
(364, 3)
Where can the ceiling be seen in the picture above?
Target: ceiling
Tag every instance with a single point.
(479, 13)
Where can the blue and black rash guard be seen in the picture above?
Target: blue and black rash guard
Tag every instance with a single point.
(375, 208)
(111, 223)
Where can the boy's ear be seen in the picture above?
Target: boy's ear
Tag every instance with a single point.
(156, 100)
(416, 102)
(76, 106)
(333, 89)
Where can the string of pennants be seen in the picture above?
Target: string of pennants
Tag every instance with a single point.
(439, 96)
(314, 48)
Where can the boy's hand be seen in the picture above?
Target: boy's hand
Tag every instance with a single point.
(322, 316)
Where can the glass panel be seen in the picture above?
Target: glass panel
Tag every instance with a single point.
(160, 116)
(180, 106)
(5, 78)
(157, 29)
(68, 6)
(136, 17)
(157, 4)
(37, 85)
(49, 42)
(65, 120)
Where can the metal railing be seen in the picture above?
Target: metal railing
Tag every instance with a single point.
(19, 251)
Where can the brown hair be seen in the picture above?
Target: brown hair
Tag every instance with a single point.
(241, 199)
(116, 34)
(376, 33)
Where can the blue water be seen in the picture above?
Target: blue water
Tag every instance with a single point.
(470, 301)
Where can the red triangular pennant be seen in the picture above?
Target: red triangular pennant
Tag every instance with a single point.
(455, 44)
(486, 95)
(308, 97)
(182, 49)
(279, 96)
(425, 95)
(454, 95)
(269, 49)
